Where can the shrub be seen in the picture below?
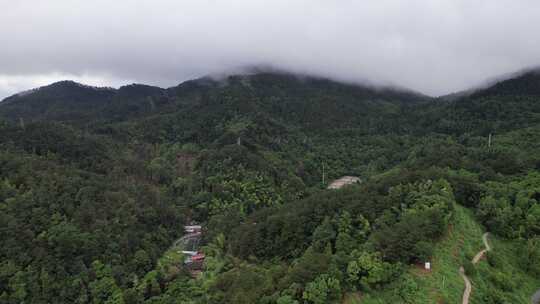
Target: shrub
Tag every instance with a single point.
(469, 268)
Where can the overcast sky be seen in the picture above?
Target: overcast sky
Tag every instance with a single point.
(433, 46)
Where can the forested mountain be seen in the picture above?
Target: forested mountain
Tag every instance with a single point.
(524, 84)
(64, 100)
(97, 183)
(279, 95)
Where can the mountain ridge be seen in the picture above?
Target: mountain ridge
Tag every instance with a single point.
(292, 99)
(217, 80)
(64, 96)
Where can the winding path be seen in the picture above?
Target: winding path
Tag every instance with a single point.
(477, 257)
(480, 254)
(468, 286)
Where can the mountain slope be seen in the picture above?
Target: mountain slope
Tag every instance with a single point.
(302, 100)
(506, 105)
(444, 284)
(522, 84)
(63, 101)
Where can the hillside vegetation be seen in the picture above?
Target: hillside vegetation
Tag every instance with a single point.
(96, 184)
(443, 284)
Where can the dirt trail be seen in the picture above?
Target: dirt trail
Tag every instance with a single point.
(480, 254)
(468, 286)
(535, 299)
(477, 257)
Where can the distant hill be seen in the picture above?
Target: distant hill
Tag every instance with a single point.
(63, 101)
(294, 98)
(77, 92)
(503, 105)
(524, 83)
(203, 108)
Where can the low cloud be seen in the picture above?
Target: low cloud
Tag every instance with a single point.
(433, 46)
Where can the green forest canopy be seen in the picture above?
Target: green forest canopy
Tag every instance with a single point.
(96, 184)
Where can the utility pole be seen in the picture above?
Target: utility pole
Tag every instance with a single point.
(151, 102)
(323, 173)
(489, 141)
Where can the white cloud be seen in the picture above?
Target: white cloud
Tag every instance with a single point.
(435, 46)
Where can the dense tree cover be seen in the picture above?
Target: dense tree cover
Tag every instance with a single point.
(512, 209)
(60, 224)
(94, 191)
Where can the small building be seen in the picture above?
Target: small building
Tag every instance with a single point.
(198, 257)
(193, 229)
(195, 262)
(344, 181)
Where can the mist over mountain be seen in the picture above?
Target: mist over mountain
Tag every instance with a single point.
(433, 48)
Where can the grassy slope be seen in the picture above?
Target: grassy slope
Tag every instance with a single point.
(520, 285)
(444, 284)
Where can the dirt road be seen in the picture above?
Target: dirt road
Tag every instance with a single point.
(468, 286)
(476, 259)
